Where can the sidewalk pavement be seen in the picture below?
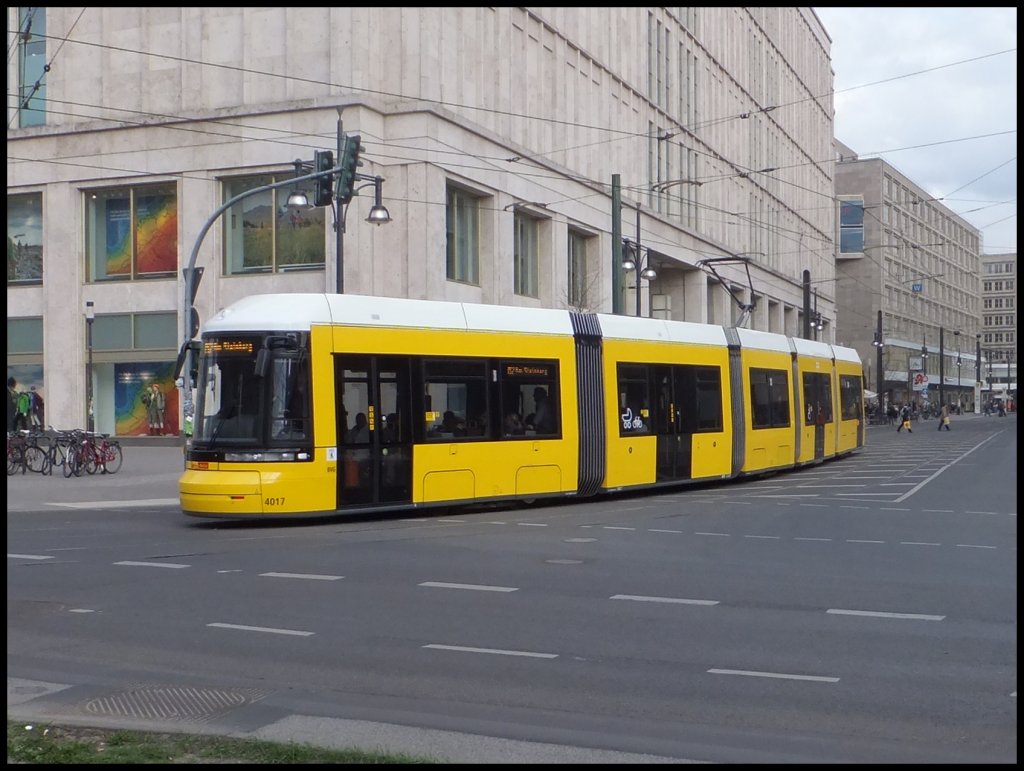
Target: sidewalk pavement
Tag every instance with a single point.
(148, 474)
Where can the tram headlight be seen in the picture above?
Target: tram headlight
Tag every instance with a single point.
(260, 457)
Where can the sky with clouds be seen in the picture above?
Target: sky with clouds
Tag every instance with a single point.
(933, 91)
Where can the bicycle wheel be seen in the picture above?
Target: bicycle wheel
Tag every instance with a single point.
(112, 458)
(91, 458)
(70, 461)
(14, 460)
(36, 460)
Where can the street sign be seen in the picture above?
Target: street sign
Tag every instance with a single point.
(917, 287)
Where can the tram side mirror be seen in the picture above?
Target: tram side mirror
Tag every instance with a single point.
(262, 362)
(189, 354)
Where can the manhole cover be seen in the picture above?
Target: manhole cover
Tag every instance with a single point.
(156, 702)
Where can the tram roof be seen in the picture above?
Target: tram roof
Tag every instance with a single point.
(296, 312)
(659, 330)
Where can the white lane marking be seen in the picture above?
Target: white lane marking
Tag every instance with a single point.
(120, 504)
(580, 540)
(939, 511)
(309, 576)
(857, 540)
(475, 587)
(919, 543)
(864, 495)
(853, 507)
(495, 651)
(948, 465)
(777, 675)
(268, 629)
(974, 546)
(30, 556)
(449, 520)
(799, 538)
(723, 535)
(677, 600)
(652, 530)
(980, 512)
(616, 527)
(892, 508)
(564, 562)
(496, 522)
(772, 537)
(882, 614)
(175, 565)
(80, 610)
(818, 505)
(829, 487)
(532, 524)
(794, 495)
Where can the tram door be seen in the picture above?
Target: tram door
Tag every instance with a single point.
(674, 431)
(374, 429)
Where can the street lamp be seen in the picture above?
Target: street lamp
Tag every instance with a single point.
(817, 323)
(90, 317)
(378, 216)
(636, 259)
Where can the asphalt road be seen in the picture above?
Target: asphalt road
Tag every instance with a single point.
(863, 610)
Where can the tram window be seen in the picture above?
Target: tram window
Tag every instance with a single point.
(289, 404)
(817, 399)
(709, 398)
(455, 399)
(769, 398)
(529, 397)
(850, 397)
(634, 400)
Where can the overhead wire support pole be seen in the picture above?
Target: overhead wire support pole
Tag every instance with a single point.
(746, 309)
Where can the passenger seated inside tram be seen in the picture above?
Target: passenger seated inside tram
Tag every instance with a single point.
(514, 425)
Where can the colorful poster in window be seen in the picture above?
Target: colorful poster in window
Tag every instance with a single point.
(156, 233)
(119, 241)
(138, 416)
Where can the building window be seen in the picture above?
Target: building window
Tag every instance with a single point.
(24, 335)
(31, 66)
(263, 235)
(577, 270)
(25, 239)
(463, 230)
(851, 226)
(525, 254)
(132, 233)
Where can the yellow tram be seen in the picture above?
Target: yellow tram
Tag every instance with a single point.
(315, 404)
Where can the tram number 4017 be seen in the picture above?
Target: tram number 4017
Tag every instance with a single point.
(273, 501)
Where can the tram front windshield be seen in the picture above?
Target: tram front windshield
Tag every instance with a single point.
(253, 391)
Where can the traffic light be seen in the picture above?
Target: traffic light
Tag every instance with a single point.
(323, 160)
(349, 161)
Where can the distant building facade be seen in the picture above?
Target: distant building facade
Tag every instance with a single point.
(907, 256)
(999, 325)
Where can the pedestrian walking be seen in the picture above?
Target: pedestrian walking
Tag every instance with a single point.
(905, 420)
(944, 418)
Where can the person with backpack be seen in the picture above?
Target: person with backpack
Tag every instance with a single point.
(23, 419)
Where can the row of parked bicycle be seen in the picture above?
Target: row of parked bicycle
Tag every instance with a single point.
(73, 451)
